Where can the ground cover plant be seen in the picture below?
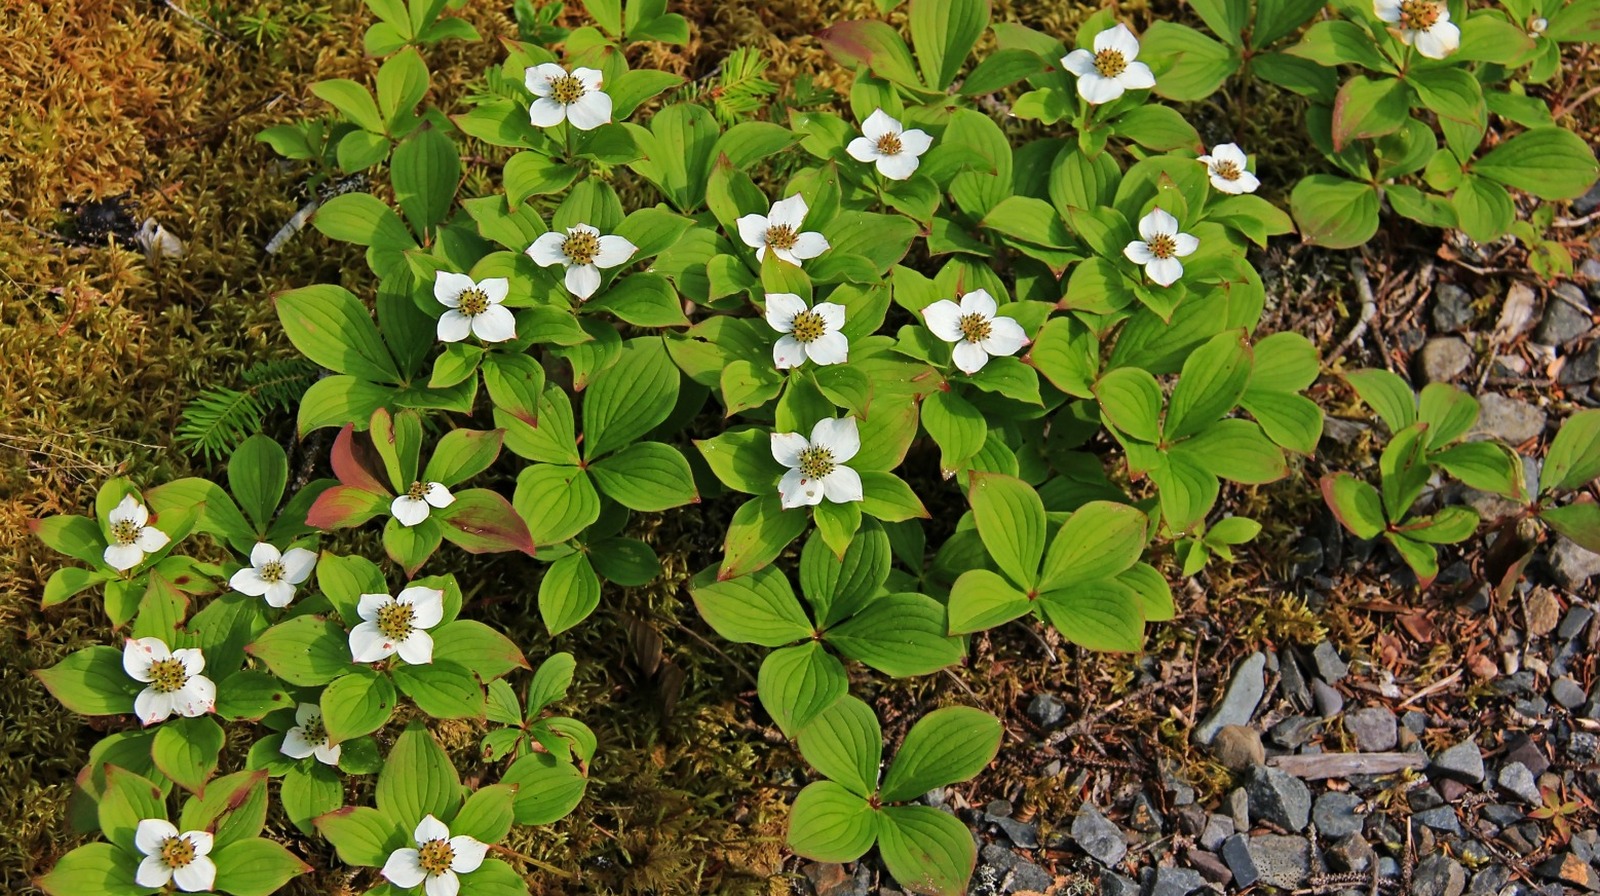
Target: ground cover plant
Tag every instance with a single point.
(922, 370)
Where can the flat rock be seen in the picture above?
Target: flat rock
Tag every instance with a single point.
(1566, 318)
(1330, 666)
(1012, 873)
(1573, 564)
(1114, 884)
(1218, 828)
(1508, 419)
(1573, 624)
(1567, 692)
(1283, 861)
(1046, 710)
(1316, 767)
(1373, 727)
(1236, 852)
(1582, 367)
(1098, 837)
(1171, 881)
(1328, 700)
(1445, 358)
(1438, 875)
(1238, 747)
(1211, 867)
(1569, 869)
(1440, 818)
(1351, 853)
(1278, 797)
(1239, 703)
(1516, 780)
(1335, 814)
(829, 879)
(1452, 308)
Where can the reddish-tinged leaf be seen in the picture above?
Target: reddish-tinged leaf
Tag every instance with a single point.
(344, 506)
(482, 522)
(353, 465)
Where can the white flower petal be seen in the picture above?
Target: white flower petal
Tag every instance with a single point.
(783, 255)
(1137, 76)
(427, 605)
(454, 326)
(368, 645)
(448, 287)
(546, 250)
(590, 78)
(842, 486)
(197, 876)
(495, 324)
(139, 653)
(327, 754)
(538, 78)
(614, 250)
(944, 319)
(862, 150)
(915, 142)
(429, 829)
(1229, 152)
(437, 495)
(1156, 223)
(545, 112)
(809, 245)
(1246, 183)
(152, 706)
(128, 510)
(969, 356)
(1185, 244)
(786, 448)
(408, 510)
(1138, 252)
(879, 124)
(781, 309)
(1387, 10)
(495, 289)
(1080, 63)
(979, 302)
(590, 111)
(151, 539)
(1439, 41)
(264, 553)
(248, 581)
(832, 315)
(202, 841)
(787, 352)
(306, 712)
(193, 660)
(295, 745)
(416, 649)
(1119, 39)
(123, 557)
(279, 595)
(297, 565)
(840, 436)
(898, 167)
(753, 230)
(151, 833)
(583, 280)
(1006, 337)
(1164, 271)
(790, 211)
(368, 605)
(443, 884)
(829, 348)
(1097, 89)
(404, 868)
(197, 697)
(794, 490)
(468, 852)
(152, 872)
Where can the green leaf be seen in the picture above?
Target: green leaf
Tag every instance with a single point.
(828, 823)
(330, 326)
(1574, 457)
(1336, 42)
(900, 635)
(888, 498)
(402, 82)
(258, 473)
(568, 593)
(250, 695)
(516, 385)
(1448, 411)
(838, 586)
(845, 744)
(233, 807)
(872, 44)
(1334, 212)
(557, 502)
(1196, 65)
(1100, 615)
(364, 836)
(1579, 521)
(1100, 540)
(760, 529)
(1213, 380)
(1549, 162)
(1236, 450)
(1130, 399)
(796, 683)
(486, 815)
(1404, 470)
(417, 780)
(742, 460)
(759, 608)
(981, 600)
(1387, 394)
(127, 800)
(363, 219)
(547, 788)
(94, 869)
(946, 746)
(1487, 466)
(78, 537)
(926, 850)
(304, 651)
(646, 476)
(1366, 108)
(944, 32)
(1156, 127)
(956, 426)
(483, 522)
(629, 398)
(1011, 522)
(549, 436)
(1483, 208)
(1448, 526)
(461, 454)
(186, 750)
(357, 703)
(478, 647)
(425, 171)
(255, 867)
(1423, 558)
(1355, 503)
(644, 300)
(92, 682)
(352, 100)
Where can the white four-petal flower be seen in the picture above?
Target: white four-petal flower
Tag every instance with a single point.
(419, 500)
(474, 307)
(584, 252)
(1424, 24)
(976, 330)
(272, 574)
(309, 737)
(559, 96)
(807, 332)
(892, 148)
(131, 539)
(396, 625)
(1226, 165)
(817, 465)
(172, 678)
(1161, 247)
(436, 861)
(170, 856)
(779, 230)
(1111, 69)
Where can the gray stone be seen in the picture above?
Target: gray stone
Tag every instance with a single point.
(1329, 665)
(1278, 797)
(1295, 731)
(1502, 815)
(1516, 780)
(1350, 853)
(1373, 728)
(1023, 834)
(1573, 624)
(1588, 202)
(1236, 852)
(1414, 721)
(1292, 684)
(1444, 358)
(1176, 882)
(1581, 368)
(1568, 692)
(1583, 748)
(1524, 749)
(1463, 761)
(1015, 873)
(1573, 564)
(1046, 710)
(1335, 814)
(1114, 884)
(1283, 861)
(1218, 828)
(1438, 875)
(1238, 747)
(1452, 308)
(1440, 818)
(1143, 816)
(1239, 703)
(1327, 698)
(1508, 419)
(1569, 869)
(1586, 845)
(1098, 837)
(1211, 867)
(1489, 880)
(1566, 317)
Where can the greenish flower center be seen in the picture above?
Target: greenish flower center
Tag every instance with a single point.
(177, 852)
(124, 531)
(436, 856)
(168, 675)
(581, 247)
(1110, 63)
(781, 236)
(417, 491)
(1418, 15)
(975, 327)
(890, 145)
(816, 462)
(808, 326)
(1163, 246)
(272, 572)
(1226, 169)
(394, 621)
(315, 733)
(566, 89)
(473, 302)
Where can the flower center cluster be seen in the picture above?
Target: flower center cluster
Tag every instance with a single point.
(394, 621)
(1110, 63)
(974, 327)
(781, 236)
(1163, 246)
(889, 145)
(168, 675)
(436, 856)
(1418, 15)
(808, 327)
(566, 89)
(177, 852)
(124, 531)
(816, 462)
(314, 731)
(581, 247)
(272, 572)
(1227, 170)
(473, 302)
(417, 491)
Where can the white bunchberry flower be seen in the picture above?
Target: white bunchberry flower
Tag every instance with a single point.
(1424, 24)
(584, 252)
(171, 857)
(172, 678)
(807, 332)
(779, 230)
(575, 98)
(1161, 247)
(309, 737)
(892, 148)
(1111, 69)
(975, 329)
(395, 625)
(436, 861)
(272, 574)
(1226, 165)
(817, 465)
(419, 500)
(474, 307)
(130, 538)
